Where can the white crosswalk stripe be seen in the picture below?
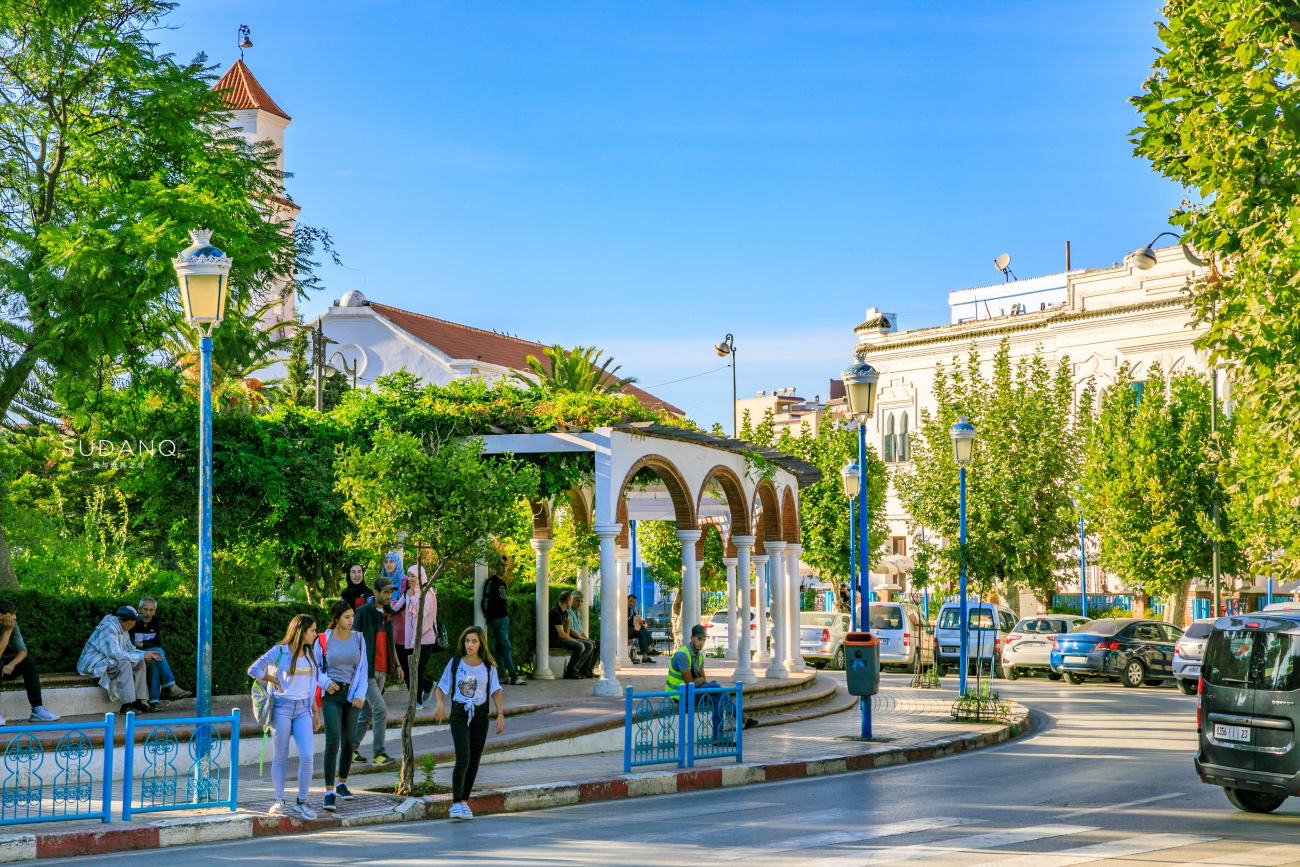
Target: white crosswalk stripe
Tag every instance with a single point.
(833, 838)
(1136, 845)
(1269, 856)
(992, 840)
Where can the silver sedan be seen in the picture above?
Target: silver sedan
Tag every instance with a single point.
(1029, 645)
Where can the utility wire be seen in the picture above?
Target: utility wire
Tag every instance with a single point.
(684, 378)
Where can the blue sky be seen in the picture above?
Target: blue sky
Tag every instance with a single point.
(648, 176)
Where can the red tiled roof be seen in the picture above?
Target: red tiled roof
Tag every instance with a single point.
(463, 341)
(240, 90)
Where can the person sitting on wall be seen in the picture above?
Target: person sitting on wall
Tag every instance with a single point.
(20, 662)
(119, 665)
(147, 635)
(638, 631)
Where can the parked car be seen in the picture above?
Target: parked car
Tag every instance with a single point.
(716, 628)
(1248, 712)
(821, 638)
(659, 620)
(901, 630)
(1028, 647)
(1282, 606)
(1135, 652)
(1188, 653)
(988, 625)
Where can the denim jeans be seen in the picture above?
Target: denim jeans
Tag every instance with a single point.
(160, 675)
(500, 629)
(375, 711)
(292, 719)
(340, 728)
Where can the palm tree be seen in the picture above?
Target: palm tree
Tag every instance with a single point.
(242, 346)
(578, 370)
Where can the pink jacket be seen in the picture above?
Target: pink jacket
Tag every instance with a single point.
(410, 604)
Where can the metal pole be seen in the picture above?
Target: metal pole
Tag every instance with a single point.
(853, 607)
(733, 393)
(927, 586)
(864, 549)
(204, 680)
(1214, 481)
(1083, 567)
(961, 657)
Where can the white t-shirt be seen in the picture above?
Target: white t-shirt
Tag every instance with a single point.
(303, 682)
(474, 683)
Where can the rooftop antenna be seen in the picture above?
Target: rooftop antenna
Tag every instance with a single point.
(245, 39)
(1003, 264)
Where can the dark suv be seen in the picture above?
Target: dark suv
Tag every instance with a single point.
(1249, 707)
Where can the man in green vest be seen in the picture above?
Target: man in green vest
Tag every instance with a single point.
(687, 666)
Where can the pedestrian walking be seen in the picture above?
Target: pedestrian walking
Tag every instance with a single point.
(469, 679)
(419, 640)
(374, 621)
(356, 593)
(289, 673)
(497, 614)
(341, 661)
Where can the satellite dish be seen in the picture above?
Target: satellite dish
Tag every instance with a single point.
(1002, 262)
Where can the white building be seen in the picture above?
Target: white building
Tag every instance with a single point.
(1099, 319)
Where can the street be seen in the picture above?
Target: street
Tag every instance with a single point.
(1106, 778)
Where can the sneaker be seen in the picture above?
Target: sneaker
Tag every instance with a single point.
(304, 809)
(280, 809)
(42, 714)
(329, 804)
(2, 720)
(454, 812)
(465, 812)
(344, 792)
(419, 705)
(358, 759)
(518, 681)
(382, 759)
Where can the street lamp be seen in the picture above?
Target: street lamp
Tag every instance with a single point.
(852, 478)
(1083, 562)
(1145, 258)
(963, 449)
(728, 348)
(202, 272)
(860, 389)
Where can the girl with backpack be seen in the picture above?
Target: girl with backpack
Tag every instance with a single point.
(341, 661)
(290, 675)
(421, 639)
(469, 679)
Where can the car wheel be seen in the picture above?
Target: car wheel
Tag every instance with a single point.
(839, 660)
(1187, 687)
(1011, 673)
(1253, 802)
(1073, 678)
(1053, 675)
(940, 670)
(1134, 673)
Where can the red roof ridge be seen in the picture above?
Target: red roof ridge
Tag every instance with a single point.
(240, 90)
(383, 307)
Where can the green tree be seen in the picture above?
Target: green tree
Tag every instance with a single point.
(579, 369)
(109, 152)
(1261, 503)
(447, 495)
(661, 556)
(1149, 484)
(1019, 518)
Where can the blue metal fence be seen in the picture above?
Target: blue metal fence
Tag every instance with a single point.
(160, 785)
(682, 726)
(25, 796)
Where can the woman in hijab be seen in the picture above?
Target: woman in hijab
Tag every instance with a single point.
(356, 593)
(392, 570)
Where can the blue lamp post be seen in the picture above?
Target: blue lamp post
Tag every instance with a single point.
(202, 271)
(860, 388)
(852, 478)
(963, 449)
(1083, 559)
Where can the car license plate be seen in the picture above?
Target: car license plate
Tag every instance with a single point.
(1076, 659)
(884, 641)
(1232, 733)
(1192, 670)
(948, 649)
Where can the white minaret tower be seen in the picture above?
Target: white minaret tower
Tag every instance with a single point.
(258, 118)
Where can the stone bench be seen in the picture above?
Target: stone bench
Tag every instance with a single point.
(65, 693)
(559, 660)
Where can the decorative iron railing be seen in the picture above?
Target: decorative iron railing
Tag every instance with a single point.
(32, 792)
(162, 787)
(682, 726)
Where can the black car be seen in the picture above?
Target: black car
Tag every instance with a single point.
(1132, 651)
(1249, 709)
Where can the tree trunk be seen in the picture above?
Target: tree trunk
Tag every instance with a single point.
(1176, 605)
(676, 619)
(406, 783)
(8, 579)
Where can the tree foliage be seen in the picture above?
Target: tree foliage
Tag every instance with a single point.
(1019, 519)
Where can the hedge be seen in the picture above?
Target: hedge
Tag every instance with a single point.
(56, 628)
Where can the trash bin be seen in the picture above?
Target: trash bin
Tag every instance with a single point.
(862, 663)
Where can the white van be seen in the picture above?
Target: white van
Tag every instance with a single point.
(988, 625)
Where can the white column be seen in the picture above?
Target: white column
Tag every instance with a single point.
(690, 583)
(732, 601)
(584, 584)
(621, 559)
(608, 684)
(744, 666)
(780, 614)
(480, 579)
(794, 661)
(761, 656)
(542, 606)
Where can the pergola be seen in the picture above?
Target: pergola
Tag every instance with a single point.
(706, 483)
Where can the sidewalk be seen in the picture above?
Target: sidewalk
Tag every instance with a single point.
(909, 725)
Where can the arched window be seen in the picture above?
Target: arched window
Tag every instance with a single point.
(889, 438)
(904, 448)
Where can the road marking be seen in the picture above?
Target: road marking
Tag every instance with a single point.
(1271, 856)
(832, 838)
(1101, 851)
(1112, 807)
(547, 822)
(992, 840)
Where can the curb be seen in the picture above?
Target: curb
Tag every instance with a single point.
(165, 833)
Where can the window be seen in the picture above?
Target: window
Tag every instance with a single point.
(1147, 632)
(886, 617)
(1227, 658)
(1138, 388)
(1279, 663)
(898, 545)
(1006, 620)
(889, 438)
(904, 448)
(1198, 630)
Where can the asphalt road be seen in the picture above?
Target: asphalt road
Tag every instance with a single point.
(1106, 779)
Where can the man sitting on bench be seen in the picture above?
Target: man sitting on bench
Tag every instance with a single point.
(147, 635)
(638, 631)
(120, 667)
(20, 662)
